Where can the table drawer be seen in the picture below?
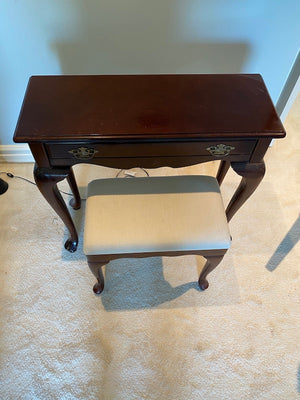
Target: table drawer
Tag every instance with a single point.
(86, 151)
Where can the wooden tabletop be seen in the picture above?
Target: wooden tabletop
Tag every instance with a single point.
(146, 106)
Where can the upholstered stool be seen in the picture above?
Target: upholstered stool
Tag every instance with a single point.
(156, 216)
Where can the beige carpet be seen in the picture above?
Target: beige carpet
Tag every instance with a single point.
(152, 334)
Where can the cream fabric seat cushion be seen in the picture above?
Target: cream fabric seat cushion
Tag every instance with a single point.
(154, 214)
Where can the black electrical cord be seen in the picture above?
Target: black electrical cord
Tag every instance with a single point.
(10, 175)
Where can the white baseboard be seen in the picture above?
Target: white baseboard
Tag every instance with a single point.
(16, 153)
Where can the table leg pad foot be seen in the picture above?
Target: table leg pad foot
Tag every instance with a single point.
(203, 284)
(98, 288)
(71, 245)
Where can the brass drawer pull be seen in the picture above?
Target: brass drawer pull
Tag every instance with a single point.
(220, 149)
(83, 153)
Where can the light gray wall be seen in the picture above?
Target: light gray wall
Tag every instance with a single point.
(142, 36)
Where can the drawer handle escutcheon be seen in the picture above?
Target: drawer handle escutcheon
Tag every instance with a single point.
(83, 153)
(220, 149)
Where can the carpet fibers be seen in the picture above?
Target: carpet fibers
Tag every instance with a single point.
(153, 334)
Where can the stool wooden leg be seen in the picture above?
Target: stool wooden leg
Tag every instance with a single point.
(211, 264)
(96, 268)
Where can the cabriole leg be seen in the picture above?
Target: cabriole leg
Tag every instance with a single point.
(252, 174)
(46, 180)
(96, 268)
(211, 263)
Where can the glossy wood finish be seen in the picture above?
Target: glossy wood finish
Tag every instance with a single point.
(146, 106)
(149, 154)
(150, 121)
(46, 180)
(251, 174)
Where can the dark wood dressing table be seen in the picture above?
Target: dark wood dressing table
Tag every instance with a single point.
(125, 121)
